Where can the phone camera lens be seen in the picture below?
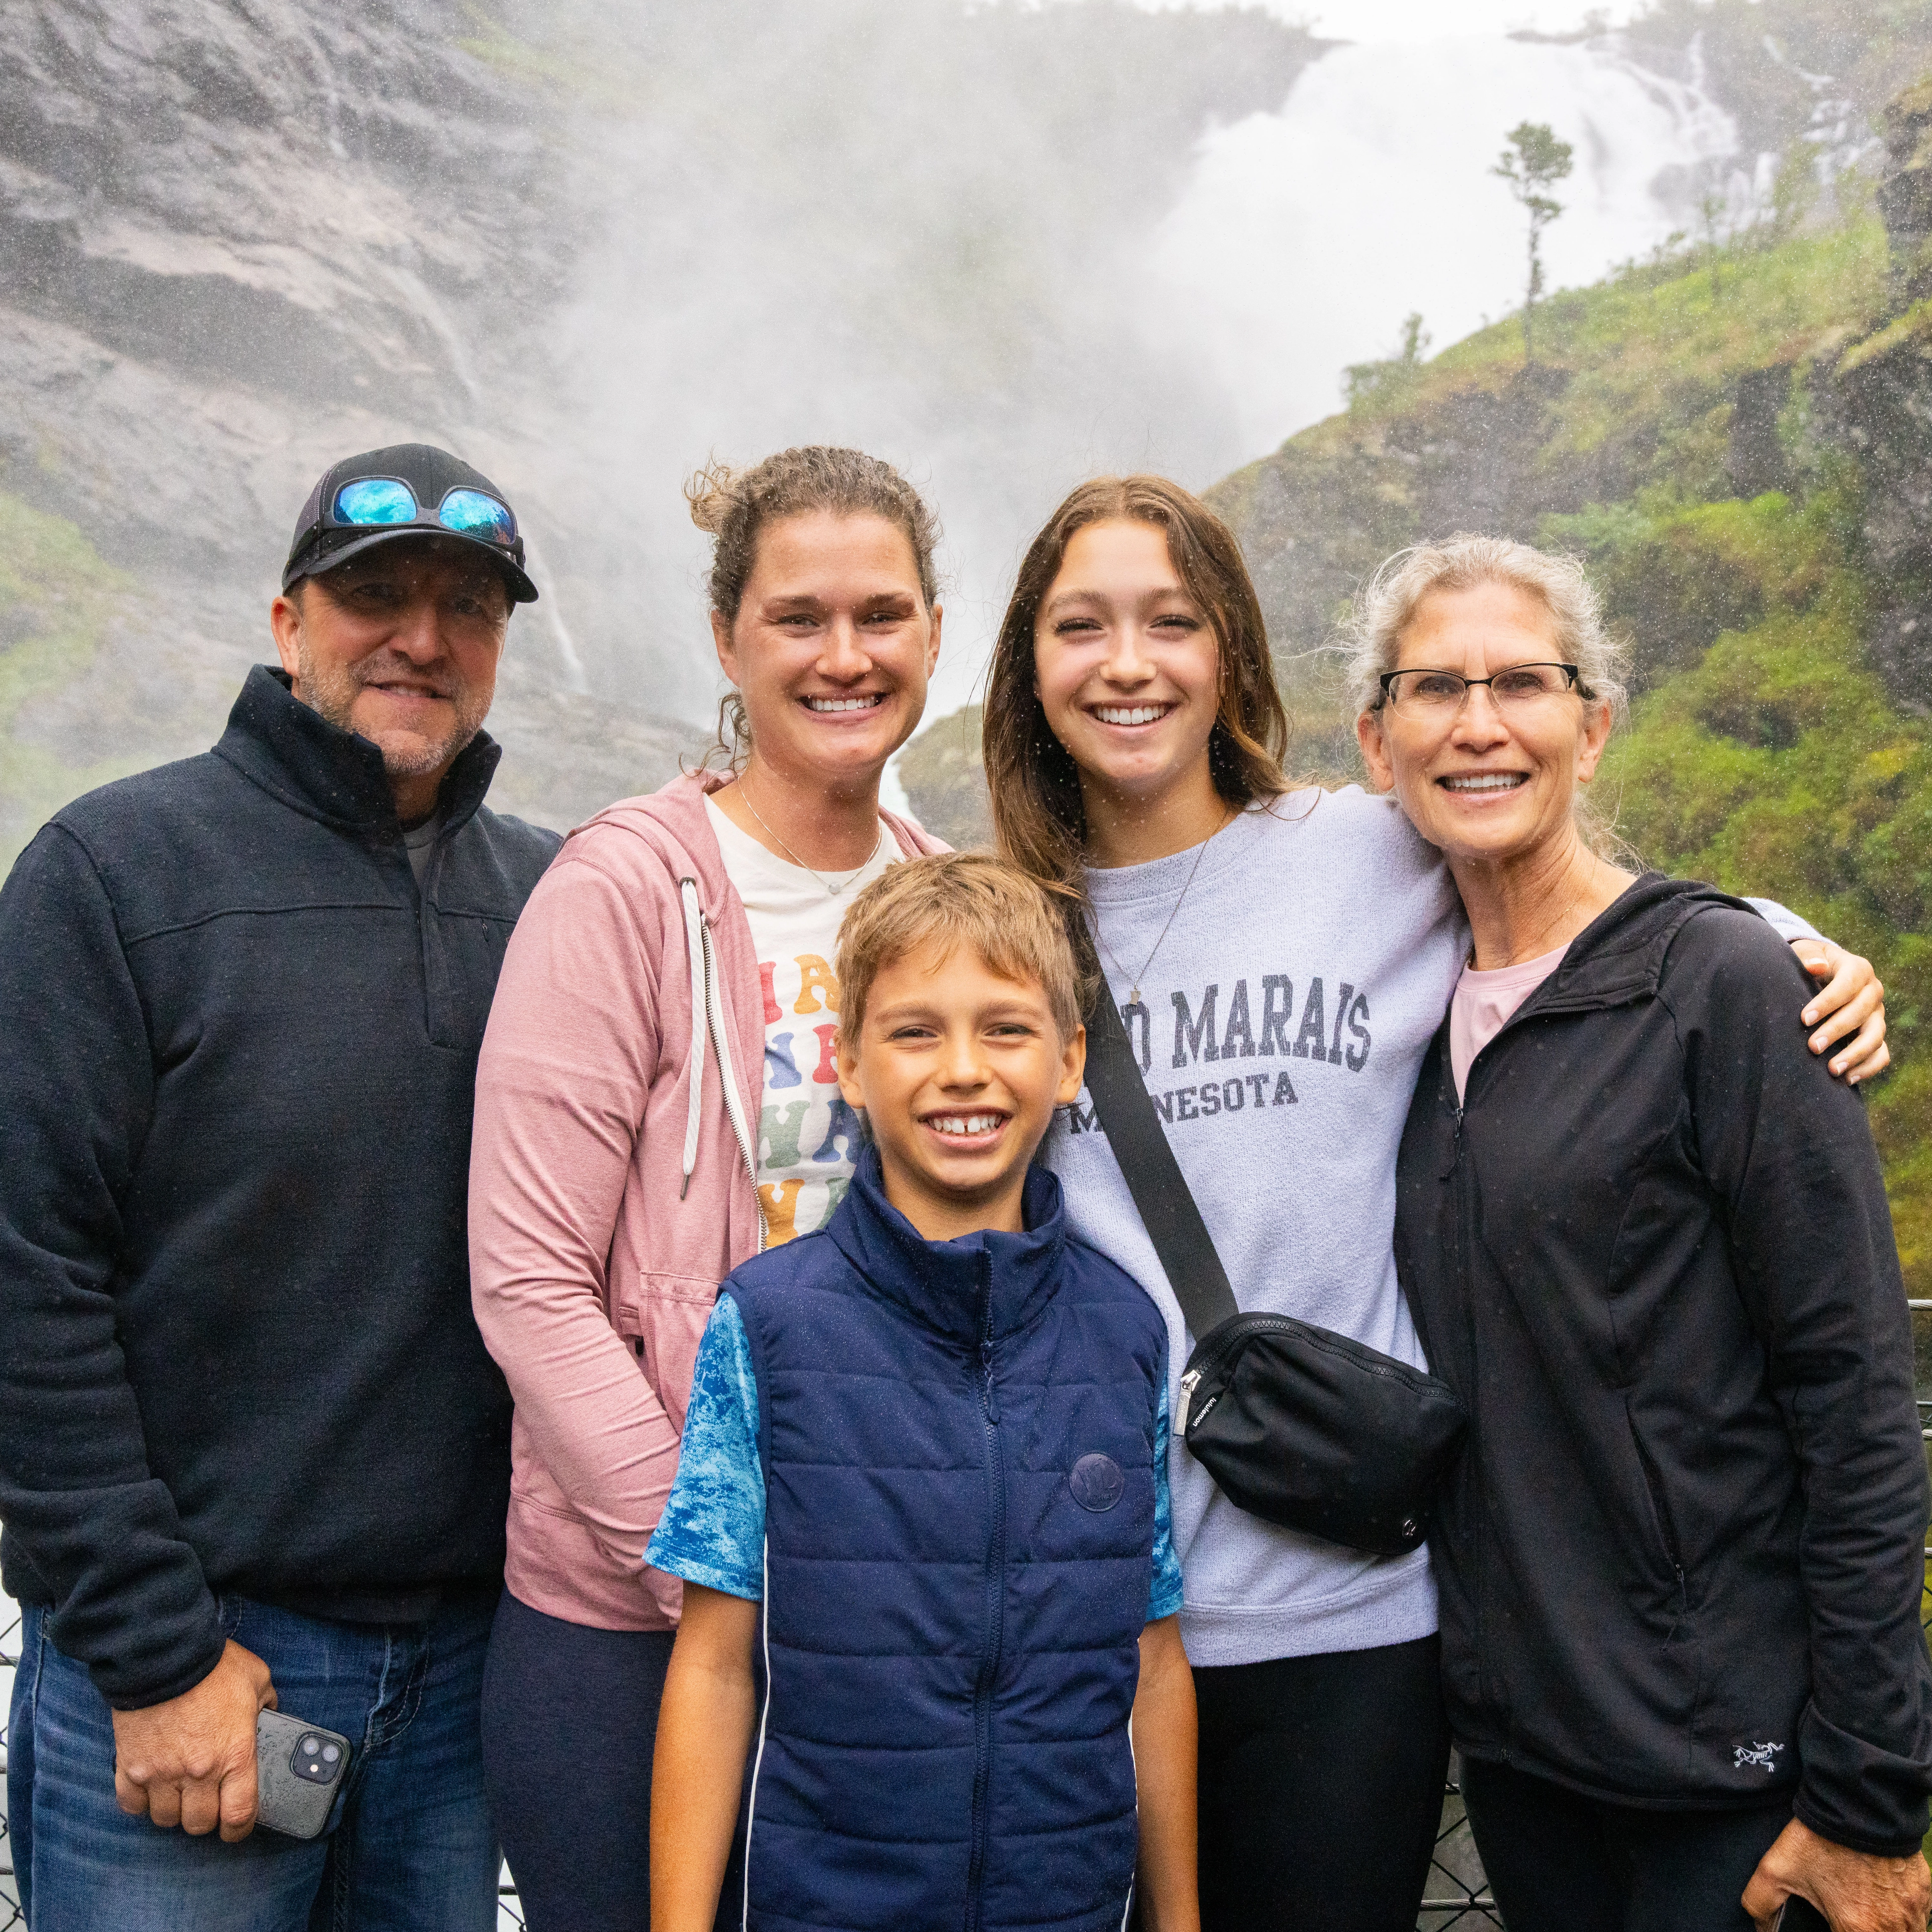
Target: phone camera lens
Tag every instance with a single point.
(311, 1746)
(330, 1753)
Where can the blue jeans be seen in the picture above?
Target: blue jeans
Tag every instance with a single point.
(409, 1847)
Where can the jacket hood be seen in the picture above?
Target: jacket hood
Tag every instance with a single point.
(672, 821)
(981, 1286)
(673, 818)
(295, 754)
(1619, 956)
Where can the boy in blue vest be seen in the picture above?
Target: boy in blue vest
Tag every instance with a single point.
(923, 1484)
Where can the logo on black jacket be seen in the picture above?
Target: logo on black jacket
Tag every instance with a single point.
(1759, 1757)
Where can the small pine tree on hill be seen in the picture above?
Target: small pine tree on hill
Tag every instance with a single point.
(1532, 163)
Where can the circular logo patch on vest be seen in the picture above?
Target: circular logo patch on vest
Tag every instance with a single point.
(1097, 1483)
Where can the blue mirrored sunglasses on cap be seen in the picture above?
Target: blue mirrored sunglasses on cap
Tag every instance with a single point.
(372, 502)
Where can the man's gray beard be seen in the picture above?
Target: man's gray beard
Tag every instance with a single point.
(332, 695)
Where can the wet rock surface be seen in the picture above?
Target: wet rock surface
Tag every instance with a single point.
(236, 226)
(585, 250)
(237, 243)
(1878, 400)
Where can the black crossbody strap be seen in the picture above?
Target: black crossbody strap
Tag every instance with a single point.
(1180, 1236)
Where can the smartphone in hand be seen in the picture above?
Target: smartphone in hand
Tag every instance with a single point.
(1798, 1914)
(298, 1769)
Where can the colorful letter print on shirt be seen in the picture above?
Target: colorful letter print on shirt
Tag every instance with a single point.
(807, 1135)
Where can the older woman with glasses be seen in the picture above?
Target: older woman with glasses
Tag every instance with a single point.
(1643, 1234)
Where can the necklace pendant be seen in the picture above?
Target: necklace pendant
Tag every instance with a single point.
(1133, 996)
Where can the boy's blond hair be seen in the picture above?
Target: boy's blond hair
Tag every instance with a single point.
(956, 898)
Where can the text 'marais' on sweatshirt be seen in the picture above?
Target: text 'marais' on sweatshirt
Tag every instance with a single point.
(1280, 1027)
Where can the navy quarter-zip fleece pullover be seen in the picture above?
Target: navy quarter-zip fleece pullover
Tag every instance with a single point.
(235, 1084)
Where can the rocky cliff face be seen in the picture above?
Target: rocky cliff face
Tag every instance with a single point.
(325, 206)
(585, 248)
(1877, 397)
(236, 244)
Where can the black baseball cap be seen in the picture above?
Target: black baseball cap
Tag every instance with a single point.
(409, 489)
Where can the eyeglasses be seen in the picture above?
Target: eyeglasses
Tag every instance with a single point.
(375, 501)
(1440, 694)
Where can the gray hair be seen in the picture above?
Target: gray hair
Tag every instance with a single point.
(1386, 607)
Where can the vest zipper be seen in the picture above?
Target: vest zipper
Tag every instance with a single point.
(996, 1566)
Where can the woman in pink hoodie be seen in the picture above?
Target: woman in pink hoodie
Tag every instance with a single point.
(655, 1102)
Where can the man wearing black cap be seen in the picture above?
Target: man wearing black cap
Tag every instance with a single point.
(253, 1451)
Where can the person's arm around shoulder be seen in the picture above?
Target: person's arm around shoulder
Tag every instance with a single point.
(1849, 1008)
(1164, 1737)
(1790, 1152)
(1848, 1011)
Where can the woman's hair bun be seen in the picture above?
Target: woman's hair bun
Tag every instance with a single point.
(709, 492)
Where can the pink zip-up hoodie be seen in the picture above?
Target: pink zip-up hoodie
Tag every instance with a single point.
(611, 1184)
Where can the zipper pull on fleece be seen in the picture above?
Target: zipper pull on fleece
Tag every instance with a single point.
(992, 1394)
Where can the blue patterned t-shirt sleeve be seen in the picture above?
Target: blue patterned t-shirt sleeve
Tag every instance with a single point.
(1164, 1599)
(713, 1530)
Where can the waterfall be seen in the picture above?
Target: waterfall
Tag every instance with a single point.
(1005, 243)
(1306, 236)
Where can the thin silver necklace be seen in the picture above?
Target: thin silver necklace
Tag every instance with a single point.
(831, 890)
(1134, 995)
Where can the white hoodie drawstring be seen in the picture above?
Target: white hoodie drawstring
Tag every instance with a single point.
(694, 1065)
(707, 1008)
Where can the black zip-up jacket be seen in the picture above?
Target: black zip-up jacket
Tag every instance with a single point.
(1680, 1560)
(237, 1055)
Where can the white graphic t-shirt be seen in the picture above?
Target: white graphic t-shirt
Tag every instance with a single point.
(807, 1136)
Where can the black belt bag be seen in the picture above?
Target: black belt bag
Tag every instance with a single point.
(1296, 1424)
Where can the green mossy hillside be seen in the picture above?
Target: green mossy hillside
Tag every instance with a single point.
(1777, 764)
(1737, 439)
(1679, 382)
(1734, 440)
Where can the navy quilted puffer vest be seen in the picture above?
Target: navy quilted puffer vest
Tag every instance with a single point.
(957, 1440)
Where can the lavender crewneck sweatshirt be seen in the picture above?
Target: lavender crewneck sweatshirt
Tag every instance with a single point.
(1281, 1026)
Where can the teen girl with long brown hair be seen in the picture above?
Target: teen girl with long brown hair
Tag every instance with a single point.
(1282, 957)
